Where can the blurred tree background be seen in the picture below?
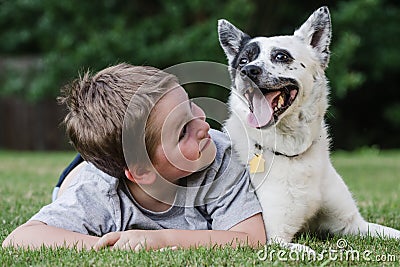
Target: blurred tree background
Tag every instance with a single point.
(44, 44)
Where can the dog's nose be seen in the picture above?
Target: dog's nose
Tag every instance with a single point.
(251, 71)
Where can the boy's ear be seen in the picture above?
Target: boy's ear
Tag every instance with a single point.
(141, 175)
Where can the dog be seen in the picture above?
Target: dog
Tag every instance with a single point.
(277, 106)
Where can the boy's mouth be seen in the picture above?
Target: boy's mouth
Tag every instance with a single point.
(204, 143)
(207, 152)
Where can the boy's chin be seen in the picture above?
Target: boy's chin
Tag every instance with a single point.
(207, 155)
(186, 166)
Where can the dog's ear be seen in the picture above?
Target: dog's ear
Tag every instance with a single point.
(230, 38)
(317, 32)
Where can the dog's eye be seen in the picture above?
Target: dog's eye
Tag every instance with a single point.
(243, 61)
(281, 57)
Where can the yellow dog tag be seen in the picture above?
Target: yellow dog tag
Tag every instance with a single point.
(257, 164)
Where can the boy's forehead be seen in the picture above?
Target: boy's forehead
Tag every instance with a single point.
(175, 95)
(172, 105)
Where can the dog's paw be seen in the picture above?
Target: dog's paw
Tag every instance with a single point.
(300, 248)
(293, 246)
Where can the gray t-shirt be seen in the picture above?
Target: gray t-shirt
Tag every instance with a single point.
(217, 198)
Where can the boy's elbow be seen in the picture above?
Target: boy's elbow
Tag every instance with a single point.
(16, 237)
(5, 243)
(8, 242)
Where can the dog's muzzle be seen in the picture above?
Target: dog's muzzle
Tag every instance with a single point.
(267, 104)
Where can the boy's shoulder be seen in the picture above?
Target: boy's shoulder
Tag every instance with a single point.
(225, 164)
(221, 140)
(225, 155)
(221, 181)
(93, 179)
(219, 136)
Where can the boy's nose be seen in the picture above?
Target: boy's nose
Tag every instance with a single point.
(203, 129)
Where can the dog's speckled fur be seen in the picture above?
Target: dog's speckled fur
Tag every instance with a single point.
(300, 189)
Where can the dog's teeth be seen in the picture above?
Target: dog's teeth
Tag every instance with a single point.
(281, 101)
(276, 109)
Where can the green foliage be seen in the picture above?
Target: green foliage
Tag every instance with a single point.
(61, 38)
(366, 42)
(71, 36)
(345, 79)
(364, 69)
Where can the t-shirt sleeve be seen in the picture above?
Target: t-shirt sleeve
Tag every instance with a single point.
(237, 204)
(236, 199)
(86, 206)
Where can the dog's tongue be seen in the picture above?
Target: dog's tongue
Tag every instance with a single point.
(262, 110)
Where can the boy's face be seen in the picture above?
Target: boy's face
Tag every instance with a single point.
(185, 146)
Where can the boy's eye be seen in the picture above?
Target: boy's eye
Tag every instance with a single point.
(183, 132)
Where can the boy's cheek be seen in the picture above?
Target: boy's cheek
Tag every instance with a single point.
(184, 161)
(201, 159)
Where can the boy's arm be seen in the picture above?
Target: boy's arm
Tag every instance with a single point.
(35, 234)
(248, 232)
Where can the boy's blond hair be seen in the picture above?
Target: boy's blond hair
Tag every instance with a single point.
(97, 106)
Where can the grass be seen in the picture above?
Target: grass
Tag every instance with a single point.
(373, 177)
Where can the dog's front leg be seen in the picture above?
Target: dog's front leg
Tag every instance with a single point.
(282, 220)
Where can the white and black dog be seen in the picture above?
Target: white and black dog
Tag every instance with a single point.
(278, 101)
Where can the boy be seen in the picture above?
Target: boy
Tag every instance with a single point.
(155, 175)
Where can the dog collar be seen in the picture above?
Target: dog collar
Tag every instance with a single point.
(276, 153)
(281, 154)
(257, 163)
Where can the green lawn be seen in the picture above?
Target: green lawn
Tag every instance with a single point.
(374, 178)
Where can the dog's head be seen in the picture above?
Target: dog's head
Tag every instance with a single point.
(273, 74)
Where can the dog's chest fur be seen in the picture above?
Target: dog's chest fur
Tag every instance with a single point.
(294, 181)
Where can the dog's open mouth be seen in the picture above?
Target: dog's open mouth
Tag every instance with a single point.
(267, 104)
